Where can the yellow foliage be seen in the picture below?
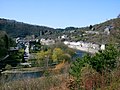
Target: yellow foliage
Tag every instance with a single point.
(21, 50)
(43, 54)
(48, 52)
(57, 53)
(40, 55)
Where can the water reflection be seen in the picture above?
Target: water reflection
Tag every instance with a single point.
(78, 54)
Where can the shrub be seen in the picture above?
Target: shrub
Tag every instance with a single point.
(102, 63)
(8, 67)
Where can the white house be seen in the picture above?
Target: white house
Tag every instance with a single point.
(47, 42)
(66, 42)
(107, 30)
(64, 37)
(102, 47)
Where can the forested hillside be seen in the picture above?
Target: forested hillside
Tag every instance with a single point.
(15, 29)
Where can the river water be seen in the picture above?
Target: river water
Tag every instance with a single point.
(26, 75)
(79, 53)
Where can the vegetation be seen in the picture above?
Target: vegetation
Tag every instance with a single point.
(5, 43)
(92, 72)
(56, 82)
(22, 30)
(8, 67)
(89, 69)
(54, 54)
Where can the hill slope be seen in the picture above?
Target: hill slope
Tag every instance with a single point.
(15, 29)
(103, 38)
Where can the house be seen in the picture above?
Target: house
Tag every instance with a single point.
(72, 31)
(83, 46)
(102, 47)
(107, 30)
(47, 41)
(64, 37)
(66, 42)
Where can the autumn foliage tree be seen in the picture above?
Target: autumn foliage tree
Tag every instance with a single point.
(57, 53)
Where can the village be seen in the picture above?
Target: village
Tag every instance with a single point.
(28, 47)
(30, 44)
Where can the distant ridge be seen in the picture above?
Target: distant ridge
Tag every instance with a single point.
(15, 29)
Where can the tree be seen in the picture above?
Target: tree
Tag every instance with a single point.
(6, 42)
(40, 55)
(57, 53)
(90, 27)
(44, 57)
(103, 61)
(76, 66)
(8, 67)
(76, 69)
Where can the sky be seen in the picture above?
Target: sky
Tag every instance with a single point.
(60, 13)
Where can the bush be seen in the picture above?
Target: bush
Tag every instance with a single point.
(8, 67)
(105, 60)
(102, 63)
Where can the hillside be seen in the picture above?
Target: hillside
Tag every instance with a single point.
(15, 29)
(114, 32)
(103, 38)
